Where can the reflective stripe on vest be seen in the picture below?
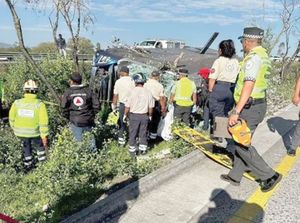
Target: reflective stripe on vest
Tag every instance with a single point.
(260, 86)
(184, 92)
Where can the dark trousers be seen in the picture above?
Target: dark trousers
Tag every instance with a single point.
(248, 159)
(122, 126)
(182, 113)
(28, 144)
(221, 99)
(206, 116)
(138, 125)
(155, 118)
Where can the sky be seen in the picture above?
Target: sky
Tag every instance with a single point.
(192, 21)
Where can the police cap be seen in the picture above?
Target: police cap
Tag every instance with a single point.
(252, 33)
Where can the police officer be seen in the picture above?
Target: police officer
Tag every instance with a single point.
(138, 108)
(157, 91)
(250, 99)
(80, 105)
(121, 91)
(295, 136)
(184, 95)
(28, 118)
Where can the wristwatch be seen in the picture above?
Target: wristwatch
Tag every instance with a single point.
(234, 112)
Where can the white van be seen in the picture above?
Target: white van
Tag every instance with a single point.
(160, 43)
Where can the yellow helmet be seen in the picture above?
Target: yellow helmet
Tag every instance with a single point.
(241, 133)
(30, 85)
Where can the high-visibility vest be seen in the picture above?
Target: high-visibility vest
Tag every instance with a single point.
(184, 91)
(28, 117)
(260, 86)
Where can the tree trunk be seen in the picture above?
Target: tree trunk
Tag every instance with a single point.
(54, 26)
(25, 52)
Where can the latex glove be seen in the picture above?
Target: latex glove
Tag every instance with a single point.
(194, 108)
(125, 119)
(113, 107)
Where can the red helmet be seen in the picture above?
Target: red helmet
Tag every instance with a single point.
(204, 72)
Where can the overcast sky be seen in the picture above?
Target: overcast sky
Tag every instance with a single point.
(133, 21)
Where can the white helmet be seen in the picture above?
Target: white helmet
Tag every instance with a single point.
(30, 85)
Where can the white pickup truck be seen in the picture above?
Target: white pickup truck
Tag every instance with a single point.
(160, 43)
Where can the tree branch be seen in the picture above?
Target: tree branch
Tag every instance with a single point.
(24, 50)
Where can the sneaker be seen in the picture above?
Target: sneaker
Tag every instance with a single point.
(227, 178)
(269, 184)
(291, 152)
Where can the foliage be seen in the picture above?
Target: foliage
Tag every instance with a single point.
(85, 45)
(45, 47)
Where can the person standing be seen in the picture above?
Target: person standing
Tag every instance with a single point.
(121, 91)
(222, 80)
(250, 99)
(28, 118)
(61, 44)
(157, 91)
(184, 95)
(80, 106)
(295, 135)
(138, 108)
(203, 97)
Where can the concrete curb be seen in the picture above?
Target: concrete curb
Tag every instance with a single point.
(118, 202)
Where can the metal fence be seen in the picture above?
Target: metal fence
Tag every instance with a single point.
(12, 56)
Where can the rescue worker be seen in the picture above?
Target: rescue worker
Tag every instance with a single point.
(222, 80)
(184, 97)
(203, 97)
(28, 118)
(80, 106)
(121, 91)
(295, 136)
(138, 108)
(157, 91)
(250, 99)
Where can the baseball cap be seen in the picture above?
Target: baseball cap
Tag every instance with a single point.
(183, 71)
(204, 72)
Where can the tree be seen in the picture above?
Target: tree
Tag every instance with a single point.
(85, 46)
(24, 50)
(76, 15)
(289, 18)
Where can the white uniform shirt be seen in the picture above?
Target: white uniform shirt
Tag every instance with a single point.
(155, 88)
(225, 69)
(122, 88)
(140, 100)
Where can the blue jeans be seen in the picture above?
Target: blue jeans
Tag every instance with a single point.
(79, 131)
